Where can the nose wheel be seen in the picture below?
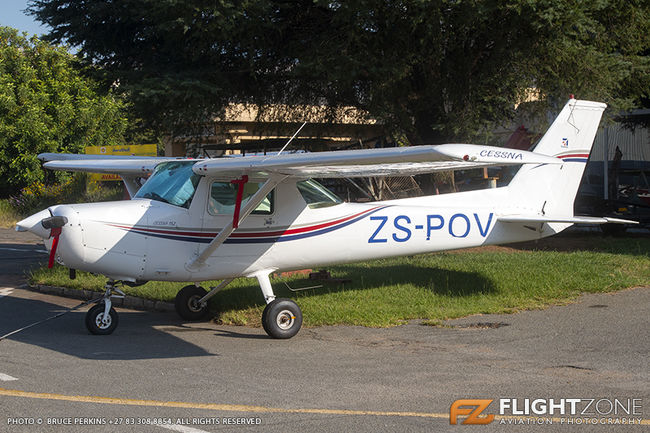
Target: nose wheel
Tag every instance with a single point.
(100, 323)
(102, 318)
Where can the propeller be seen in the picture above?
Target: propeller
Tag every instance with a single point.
(54, 224)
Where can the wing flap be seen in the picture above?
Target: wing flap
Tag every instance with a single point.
(397, 169)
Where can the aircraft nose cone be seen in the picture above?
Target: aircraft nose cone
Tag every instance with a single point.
(33, 224)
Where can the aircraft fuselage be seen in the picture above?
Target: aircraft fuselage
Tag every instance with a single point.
(145, 239)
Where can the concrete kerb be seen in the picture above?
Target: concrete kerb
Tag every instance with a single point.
(132, 302)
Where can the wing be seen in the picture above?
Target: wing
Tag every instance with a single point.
(117, 164)
(372, 162)
(395, 161)
(46, 157)
(129, 168)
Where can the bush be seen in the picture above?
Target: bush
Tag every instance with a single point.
(47, 105)
(38, 196)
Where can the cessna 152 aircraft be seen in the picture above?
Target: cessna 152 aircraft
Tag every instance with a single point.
(196, 220)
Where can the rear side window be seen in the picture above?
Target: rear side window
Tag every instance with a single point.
(224, 194)
(316, 195)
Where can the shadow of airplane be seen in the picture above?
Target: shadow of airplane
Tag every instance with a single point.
(141, 335)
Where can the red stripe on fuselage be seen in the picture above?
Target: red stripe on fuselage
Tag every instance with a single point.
(252, 234)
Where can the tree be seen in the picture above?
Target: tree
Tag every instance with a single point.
(436, 70)
(47, 106)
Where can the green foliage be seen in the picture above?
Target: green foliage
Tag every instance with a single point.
(436, 70)
(74, 189)
(46, 105)
(39, 196)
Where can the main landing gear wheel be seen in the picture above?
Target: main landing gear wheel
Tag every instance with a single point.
(187, 303)
(100, 324)
(282, 318)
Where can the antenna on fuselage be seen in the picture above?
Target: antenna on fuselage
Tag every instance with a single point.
(292, 137)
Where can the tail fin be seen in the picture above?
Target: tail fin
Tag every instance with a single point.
(551, 189)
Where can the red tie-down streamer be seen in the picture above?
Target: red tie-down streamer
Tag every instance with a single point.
(54, 223)
(240, 194)
(55, 233)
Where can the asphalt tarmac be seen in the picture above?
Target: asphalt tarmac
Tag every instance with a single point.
(157, 373)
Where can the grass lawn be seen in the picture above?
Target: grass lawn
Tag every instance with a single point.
(432, 287)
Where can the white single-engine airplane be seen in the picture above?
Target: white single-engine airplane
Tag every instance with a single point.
(204, 219)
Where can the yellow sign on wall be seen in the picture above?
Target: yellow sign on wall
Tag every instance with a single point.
(133, 149)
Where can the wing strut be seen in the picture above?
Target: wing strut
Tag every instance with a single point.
(221, 237)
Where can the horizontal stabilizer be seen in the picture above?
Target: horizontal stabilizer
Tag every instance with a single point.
(570, 220)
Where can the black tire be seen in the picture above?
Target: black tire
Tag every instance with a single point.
(264, 314)
(95, 323)
(282, 318)
(186, 303)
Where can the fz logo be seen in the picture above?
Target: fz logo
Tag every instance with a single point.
(472, 408)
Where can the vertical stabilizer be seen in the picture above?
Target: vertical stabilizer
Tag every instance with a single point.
(550, 190)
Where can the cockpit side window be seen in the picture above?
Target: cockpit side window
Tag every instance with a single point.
(172, 182)
(316, 195)
(224, 194)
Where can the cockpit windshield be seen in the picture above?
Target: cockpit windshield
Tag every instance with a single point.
(316, 195)
(172, 182)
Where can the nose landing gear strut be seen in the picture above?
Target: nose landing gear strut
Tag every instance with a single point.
(102, 319)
